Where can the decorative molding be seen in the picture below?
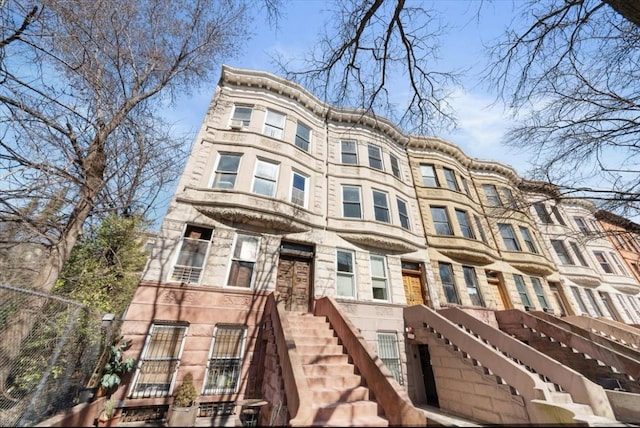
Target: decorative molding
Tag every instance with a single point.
(241, 301)
(177, 297)
(467, 256)
(383, 242)
(260, 219)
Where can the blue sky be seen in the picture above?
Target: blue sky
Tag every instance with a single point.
(481, 126)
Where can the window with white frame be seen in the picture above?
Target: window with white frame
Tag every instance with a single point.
(379, 282)
(582, 225)
(602, 260)
(381, 206)
(465, 225)
(483, 236)
(522, 290)
(225, 359)
(403, 213)
(508, 237)
(388, 352)
(441, 222)
(303, 136)
(241, 117)
(493, 200)
(349, 152)
(243, 260)
(465, 186)
(528, 239)
(274, 124)
(537, 287)
(375, 156)
(192, 255)
(578, 253)
(556, 213)
(578, 298)
(618, 263)
(509, 198)
(351, 202)
(429, 175)
(345, 268)
(265, 178)
(159, 360)
(450, 178)
(542, 212)
(448, 282)
(592, 300)
(634, 305)
(561, 251)
(395, 166)
(299, 189)
(624, 306)
(471, 280)
(226, 171)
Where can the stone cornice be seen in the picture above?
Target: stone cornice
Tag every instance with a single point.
(258, 219)
(376, 241)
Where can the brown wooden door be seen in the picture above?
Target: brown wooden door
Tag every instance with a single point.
(412, 282)
(496, 281)
(294, 283)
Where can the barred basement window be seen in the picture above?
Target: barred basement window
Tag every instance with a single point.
(388, 352)
(225, 363)
(159, 361)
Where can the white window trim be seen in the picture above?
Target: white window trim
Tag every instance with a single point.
(243, 345)
(268, 126)
(387, 291)
(178, 250)
(386, 200)
(306, 188)
(353, 274)
(231, 260)
(275, 180)
(343, 201)
(217, 165)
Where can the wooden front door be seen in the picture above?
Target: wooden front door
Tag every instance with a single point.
(496, 281)
(294, 281)
(412, 282)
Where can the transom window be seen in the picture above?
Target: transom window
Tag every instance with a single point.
(604, 263)
(243, 260)
(241, 117)
(465, 226)
(379, 277)
(508, 237)
(395, 166)
(471, 280)
(226, 171)
(388, 352)
(159, 360)
(375, 156)
(448, 283)
(493, 200)
(274, 124)
(381, 206)
(537, 287)
(265, 177)
(345, 274)
(351, 202)
(299, 189)
(225, 360)
(192, 255)
(303, 136)
(522, 290)
(441, 222)
(429, 175)
(450, 178)
(403, 213)
(349, 152)
(528, 239)
(561, 251)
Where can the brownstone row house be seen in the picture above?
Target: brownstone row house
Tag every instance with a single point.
(322, 266)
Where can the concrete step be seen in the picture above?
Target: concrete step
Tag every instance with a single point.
(314, 340)
(369, 421)
(313, 331)
(324, 359)
(346, 411)
(326, 369)
(318, 349)
(337, 381)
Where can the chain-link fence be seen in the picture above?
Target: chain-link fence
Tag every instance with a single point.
(50, 369)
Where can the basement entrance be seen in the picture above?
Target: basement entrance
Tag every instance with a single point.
(427, 375)
(294, 281)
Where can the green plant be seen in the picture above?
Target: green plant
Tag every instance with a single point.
(115, 366)
(186, 393)
(109, 408)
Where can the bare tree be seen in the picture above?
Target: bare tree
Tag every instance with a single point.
(569, 69)
(379, 55)
(81, 85)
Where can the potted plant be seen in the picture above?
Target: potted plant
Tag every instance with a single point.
(116, 367)
(184, 410)
(109, 415)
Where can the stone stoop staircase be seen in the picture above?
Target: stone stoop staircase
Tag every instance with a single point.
(339, 396)
(584, 413)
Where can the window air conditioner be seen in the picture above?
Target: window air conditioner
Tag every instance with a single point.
(236, 124)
